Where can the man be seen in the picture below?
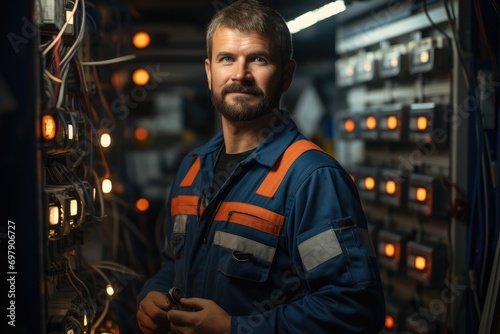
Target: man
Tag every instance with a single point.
(265, 231)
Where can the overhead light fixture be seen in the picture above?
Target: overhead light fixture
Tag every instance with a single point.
(312, 17)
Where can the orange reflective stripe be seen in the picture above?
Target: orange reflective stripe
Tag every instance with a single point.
(252, 216)
(191, 174)
(273, 180)
(186, 205)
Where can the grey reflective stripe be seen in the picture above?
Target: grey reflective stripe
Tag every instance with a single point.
(242, 244)
(365, 236)
(180, 224)
(319, 249)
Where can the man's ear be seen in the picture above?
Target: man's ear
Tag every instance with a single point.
(209, 73)
(290, 67)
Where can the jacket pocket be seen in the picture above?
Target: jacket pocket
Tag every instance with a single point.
(247, 242)
(338, 250)
(247, 246)
(241, 265)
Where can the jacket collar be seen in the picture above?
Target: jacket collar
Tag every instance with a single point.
(280, 133)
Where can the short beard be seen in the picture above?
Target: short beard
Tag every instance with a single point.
(242, 111)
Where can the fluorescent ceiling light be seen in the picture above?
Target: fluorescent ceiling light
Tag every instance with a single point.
(314, 16)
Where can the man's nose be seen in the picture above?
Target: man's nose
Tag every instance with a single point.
(242, 71)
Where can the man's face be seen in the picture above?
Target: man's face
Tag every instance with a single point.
(245, 74)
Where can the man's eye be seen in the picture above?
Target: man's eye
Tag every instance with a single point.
(259, 60)
(226, 59)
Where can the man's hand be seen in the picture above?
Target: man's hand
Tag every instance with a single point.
(209, 318)
(152, 313)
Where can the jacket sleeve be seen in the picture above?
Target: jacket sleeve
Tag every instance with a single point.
(328, 239)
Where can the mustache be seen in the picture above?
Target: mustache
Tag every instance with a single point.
(238, 88)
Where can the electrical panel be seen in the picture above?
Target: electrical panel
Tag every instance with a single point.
(426, 262)
(392, 249)
(396, 76)
(86, 279)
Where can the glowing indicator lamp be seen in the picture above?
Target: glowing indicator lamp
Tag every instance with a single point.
(389, 249)
(109, 290)
(53, 215)
(371, 122)
(420, 262)
(141, 40)
(390, 187)
(140, 77)
(142, 204)
(369, 183)
(424, 56)
(421, 194)
(389, 321)
(116, 79)
(105, 140)
(70, 132)
(73, 207)
(349, 125)
(107, 186)
(422, 123)
(392, 122)
(48, 127)
(141, 134)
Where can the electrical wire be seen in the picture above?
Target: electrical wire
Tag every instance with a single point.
(69, 18)
(115, 266)
(79, 39)
(52, 77)
(70, 275)
(99, 192)
(101, 317)
(483, 287)
(109, 61)
(482, 29)
(479, 207)
(106, 302)
(60, 98)
(76, 322)
(124, 219)
(92, 20)
(107, 172)
(65, 126)
(88, 107)
(101, 273)
(116, 230)
(57, 64)
(49, 89)
(104, 103)
(483, 166)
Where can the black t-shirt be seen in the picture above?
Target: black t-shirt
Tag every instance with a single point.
(225, 164)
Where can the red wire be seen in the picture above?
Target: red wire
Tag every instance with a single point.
(57, 65)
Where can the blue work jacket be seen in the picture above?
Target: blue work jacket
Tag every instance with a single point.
(282, 246)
